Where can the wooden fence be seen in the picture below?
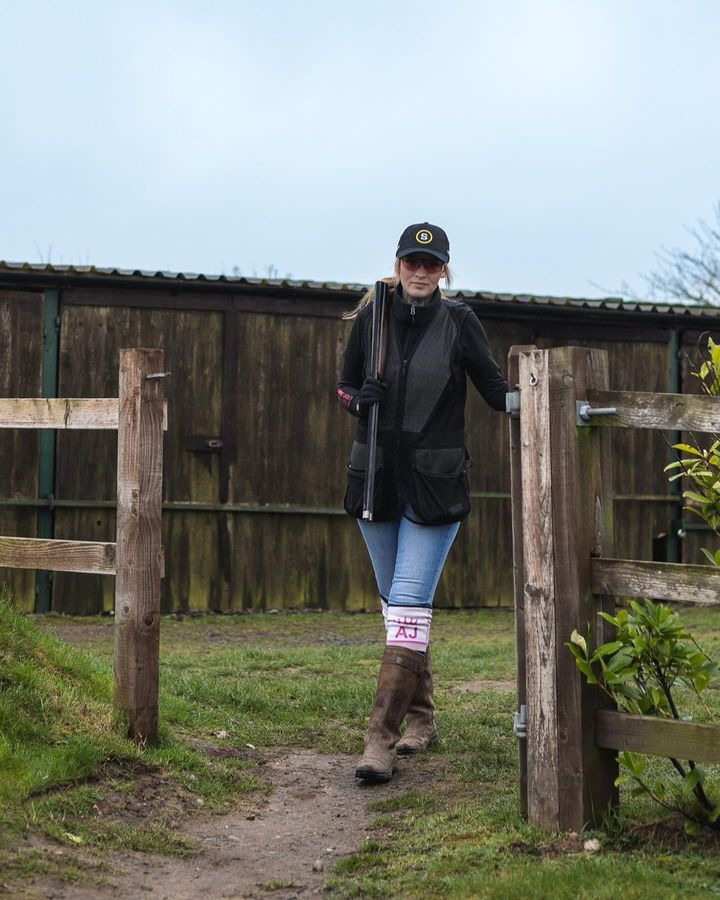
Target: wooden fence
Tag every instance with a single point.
(247, 480)
(136, 557)
(565, 572)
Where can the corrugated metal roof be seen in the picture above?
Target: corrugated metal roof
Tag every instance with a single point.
(609, 303)
(158, 275)
(155, 276)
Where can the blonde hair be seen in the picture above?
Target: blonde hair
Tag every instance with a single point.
(392, 281)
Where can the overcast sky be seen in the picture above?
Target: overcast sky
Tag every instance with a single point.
(560, 143)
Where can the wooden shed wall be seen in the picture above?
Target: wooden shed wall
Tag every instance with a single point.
(20, 375)
(257, 374)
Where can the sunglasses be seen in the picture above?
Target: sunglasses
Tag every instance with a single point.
(413, 263)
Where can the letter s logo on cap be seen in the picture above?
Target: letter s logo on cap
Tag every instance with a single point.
(423, 237)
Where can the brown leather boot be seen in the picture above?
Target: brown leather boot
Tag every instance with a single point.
(421, 732)
(399, 672)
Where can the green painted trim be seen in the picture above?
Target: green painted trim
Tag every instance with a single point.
(46, 466)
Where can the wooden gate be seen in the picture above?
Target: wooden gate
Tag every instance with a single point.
(565, 572)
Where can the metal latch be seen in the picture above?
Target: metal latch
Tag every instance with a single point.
(584, 411)
(512, 403)
(200, 443)
(520, 723)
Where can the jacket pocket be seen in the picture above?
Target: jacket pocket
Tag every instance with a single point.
(440, 484)
(356, 470)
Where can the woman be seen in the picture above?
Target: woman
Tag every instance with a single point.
(421, 482)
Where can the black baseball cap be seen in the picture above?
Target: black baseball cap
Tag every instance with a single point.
(424, 238)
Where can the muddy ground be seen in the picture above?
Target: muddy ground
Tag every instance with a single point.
(282, 845)
(281, 841)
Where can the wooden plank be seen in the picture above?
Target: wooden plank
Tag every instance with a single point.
(636, 366)
(42, 412)
(139, 541)
(84, 594)
(139, 295)
(604, 499)
(58, 413)
(21, 340)
(19, 583)
(289, 301)
(518, 565)
(313, 474)
(638, 409)
(699, 585)
(602, 330)
(600, 768)
(86, 460)
(539, 590)
(580, 513)
(572, 536)
(58, 556)
(658, 737)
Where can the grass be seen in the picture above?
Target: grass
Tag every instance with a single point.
(274, 681)
(64, 760)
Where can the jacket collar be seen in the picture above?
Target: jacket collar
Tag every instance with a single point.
(424, 312)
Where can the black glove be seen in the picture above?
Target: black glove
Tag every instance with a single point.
(371, 392)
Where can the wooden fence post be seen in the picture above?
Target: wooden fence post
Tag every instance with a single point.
(139, 541)
(567, 518)
(518, 569)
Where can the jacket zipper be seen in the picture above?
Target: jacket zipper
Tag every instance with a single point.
(402, 390)
(399, 416)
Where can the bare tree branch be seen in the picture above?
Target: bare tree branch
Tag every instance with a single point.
(690, 275)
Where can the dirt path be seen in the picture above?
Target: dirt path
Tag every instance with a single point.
(282, 846)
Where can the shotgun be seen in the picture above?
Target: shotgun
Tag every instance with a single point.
(377, 365)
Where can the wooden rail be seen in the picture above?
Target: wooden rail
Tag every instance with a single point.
(59, 413)
(669, 412)
(48, 412)
(699, 585)
(139, 414)
(57, 556)
(658, 737)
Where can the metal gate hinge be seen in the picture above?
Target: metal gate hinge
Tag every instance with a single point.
(512, 403)
(520, 723)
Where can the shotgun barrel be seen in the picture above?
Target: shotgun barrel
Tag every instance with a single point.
(377, 363)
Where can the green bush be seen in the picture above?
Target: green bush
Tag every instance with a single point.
(651, 658)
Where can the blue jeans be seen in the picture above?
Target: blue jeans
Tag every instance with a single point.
(407, 558)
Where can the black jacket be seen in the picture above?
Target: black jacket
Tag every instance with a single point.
(421, 457)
